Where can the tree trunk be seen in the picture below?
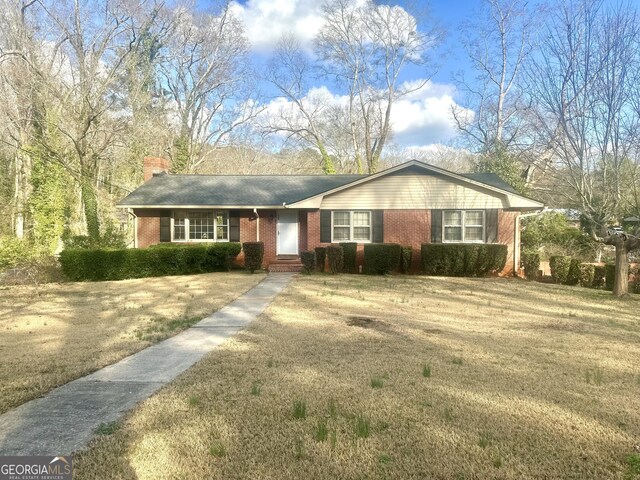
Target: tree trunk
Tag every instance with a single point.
(621, 282)
(90, 206)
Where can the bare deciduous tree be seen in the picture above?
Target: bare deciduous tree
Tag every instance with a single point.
(364, 48)
(498, 42)
(584, 85)
(305, 115)
(206, 72)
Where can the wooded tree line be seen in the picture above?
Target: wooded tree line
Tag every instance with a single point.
(551, 102)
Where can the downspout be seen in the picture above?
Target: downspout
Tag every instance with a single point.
(255, 210)
(135, 227)
(516, 249)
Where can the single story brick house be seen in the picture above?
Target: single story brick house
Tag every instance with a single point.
(409, 204)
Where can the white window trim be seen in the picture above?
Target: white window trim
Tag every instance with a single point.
(351, 226)
(186, 227)
(464, 213)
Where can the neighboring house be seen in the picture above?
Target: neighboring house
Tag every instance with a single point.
(409, 204)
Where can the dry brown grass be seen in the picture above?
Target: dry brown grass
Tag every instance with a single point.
(59, 332)
(527, 381)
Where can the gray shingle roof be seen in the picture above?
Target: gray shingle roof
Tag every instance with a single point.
(233, 190)
(490, 179)
(252, 190)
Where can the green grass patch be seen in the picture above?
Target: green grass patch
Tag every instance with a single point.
(161, 328)
(321, 432)
(256, 388)
(107, 428)
(362, 426)
(594, 376)
(377, 382)
(217, 450)
(300, 409)
(426, 370)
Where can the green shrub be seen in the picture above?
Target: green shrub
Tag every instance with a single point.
(599, 273)
(560, 265)
(336, 258)
(405, 259)
(103, 264)
(381, 258)
(15, 252)
(462, 260)
(531, 264)
(321, 256)
(253, 255)
(587, 275)
(573, 276)
(609, 276)
(308, 260)
(634, 281)
(349, 251)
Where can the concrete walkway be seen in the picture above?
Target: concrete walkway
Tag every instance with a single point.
(65, 419)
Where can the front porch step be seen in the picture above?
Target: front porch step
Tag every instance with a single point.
(285, 263)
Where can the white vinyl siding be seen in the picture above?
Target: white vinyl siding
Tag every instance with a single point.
(463, 226)
(413, 191)
(200, 226)
(351, 226)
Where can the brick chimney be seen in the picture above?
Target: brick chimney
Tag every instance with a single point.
(153, 165)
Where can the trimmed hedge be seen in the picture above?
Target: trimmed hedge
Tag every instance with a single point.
(335, 254)
(321, 256)
(599, 273)
(405, 259)
(609, 276)
(253, 255)
(531, 264)
(587, 275)
(573, 276)
(119, 264)
(462, 260)
(381, 258)
(308, 260)
(560, 265)
(349, 250)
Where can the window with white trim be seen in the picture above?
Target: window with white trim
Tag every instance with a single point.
(351, 226)
(463, 226)
(200, 226)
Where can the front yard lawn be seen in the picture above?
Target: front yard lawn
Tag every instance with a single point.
(401, 377)
(60, 332)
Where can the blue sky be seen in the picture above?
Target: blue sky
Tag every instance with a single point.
(420, 121)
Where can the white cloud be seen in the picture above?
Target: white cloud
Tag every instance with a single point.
(266, 21)
(418, 120)
(424, 116)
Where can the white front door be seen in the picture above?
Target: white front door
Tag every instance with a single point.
(287, 243)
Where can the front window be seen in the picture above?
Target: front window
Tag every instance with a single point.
(350, 226)
(463, 226)
(200, 226)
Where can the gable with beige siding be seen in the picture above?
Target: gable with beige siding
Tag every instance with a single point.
(414, 191)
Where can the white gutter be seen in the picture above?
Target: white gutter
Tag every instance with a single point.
(516, 246)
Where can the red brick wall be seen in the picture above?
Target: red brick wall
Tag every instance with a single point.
(406, 227)
(506, 235)
(413, 227)
(148, 227)
(409, 228)
(302, 231)
(268, 224)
